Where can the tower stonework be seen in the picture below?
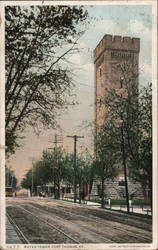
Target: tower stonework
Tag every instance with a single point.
(111, 51)
(112, 56)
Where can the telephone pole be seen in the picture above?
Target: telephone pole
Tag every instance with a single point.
(75, 137)
(124, 154)
(57, 139)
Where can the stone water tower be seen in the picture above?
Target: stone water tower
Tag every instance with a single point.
(110, 52)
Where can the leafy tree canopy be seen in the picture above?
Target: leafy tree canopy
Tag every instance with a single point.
(56, 167)
(129, 108)
(39, 40)
(10, 178)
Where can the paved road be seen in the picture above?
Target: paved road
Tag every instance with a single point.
(47, 221)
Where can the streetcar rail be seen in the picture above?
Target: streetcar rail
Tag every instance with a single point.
(17, 229)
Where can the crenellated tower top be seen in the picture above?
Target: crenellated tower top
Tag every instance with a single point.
(110, 42)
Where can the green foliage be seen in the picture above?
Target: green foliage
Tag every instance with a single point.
(26, 182)
(141, 202)
(56, 167)
(143, 170)
(10, 178)
(84, 167)
(39, 40)
(123, 202)
(127, 127)
(106, 160)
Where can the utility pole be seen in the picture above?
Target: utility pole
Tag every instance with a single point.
(75, 137)
(57, 139)
(32, 187)
(124, 155)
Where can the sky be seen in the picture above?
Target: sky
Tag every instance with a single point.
(124, 20)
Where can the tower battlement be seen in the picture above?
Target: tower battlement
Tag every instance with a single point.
(110, 42)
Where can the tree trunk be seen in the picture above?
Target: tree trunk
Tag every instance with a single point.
(125, 168)
(80, 198)
(59, 190)
(75, 191)
(151, 194)
(102, 193)
(91, 182)
(55, 190)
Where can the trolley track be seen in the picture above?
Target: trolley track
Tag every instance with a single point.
(106, 214)
(51, 225)
(105, 240)
(80, 223)
(131, 233)
(71, 239)
(22, 237)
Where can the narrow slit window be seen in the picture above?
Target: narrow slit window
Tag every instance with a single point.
(100, 72)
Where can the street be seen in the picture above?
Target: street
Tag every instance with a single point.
(48, 221)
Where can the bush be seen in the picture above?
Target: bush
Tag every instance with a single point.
(141, 202)
(123, 202)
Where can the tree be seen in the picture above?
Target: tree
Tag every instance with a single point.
(39, 40)
(106, 156)
(57, 167)
(52, 167)
(83, 168)
(39, 174)
(141, 160)
(138, 127)
(129, 109)
(10, 178)
(27, 180)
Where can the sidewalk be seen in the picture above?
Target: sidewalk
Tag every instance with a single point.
(133, 209)
(11, 235)
(92, 203)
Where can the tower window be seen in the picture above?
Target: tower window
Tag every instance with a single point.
(100, 103)
(100, 72)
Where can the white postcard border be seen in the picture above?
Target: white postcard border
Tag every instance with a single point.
(152, 246)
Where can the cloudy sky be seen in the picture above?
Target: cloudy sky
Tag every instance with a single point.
(124, 20)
